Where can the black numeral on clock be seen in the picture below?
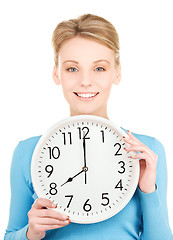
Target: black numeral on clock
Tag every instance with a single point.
(53, 190)
(70, 196)
(64, 134)
(106, 199)
(87, 207)
(119, 147)
(102, 131)
(119, 185)
(54, 152)
(49, 169)
(122, 167)
(86, 129)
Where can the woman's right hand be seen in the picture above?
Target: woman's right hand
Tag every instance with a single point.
(42, 219)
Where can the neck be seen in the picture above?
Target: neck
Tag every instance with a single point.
(99, 114)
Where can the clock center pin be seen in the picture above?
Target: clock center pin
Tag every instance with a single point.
(85, 169)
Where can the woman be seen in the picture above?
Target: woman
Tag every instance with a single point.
(87, 63)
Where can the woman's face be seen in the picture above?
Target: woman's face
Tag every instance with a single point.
(86, 67)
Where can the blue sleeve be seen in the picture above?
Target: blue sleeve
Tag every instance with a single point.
(21, 197)
(154, 205)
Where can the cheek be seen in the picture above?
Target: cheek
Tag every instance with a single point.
(105, 82)
(66, 85)
(68, 82)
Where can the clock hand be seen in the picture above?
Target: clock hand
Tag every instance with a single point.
(84, 149)
(85, 178)
(71, 178)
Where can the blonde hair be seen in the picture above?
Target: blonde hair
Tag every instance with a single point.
(87, 25)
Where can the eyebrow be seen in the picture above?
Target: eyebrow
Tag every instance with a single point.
(101, 60)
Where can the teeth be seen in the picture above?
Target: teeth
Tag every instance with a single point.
(86, 95)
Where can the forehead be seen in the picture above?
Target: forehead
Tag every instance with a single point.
(84, 50)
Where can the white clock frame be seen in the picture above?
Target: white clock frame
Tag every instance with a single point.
(37, 169)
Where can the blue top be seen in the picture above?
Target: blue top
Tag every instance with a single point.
(144, 217)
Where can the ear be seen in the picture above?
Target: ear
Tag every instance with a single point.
(117, 77)
(55, 76)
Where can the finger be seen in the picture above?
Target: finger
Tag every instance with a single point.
(138, 148)
(142, 148)
(44, 228)
(133, 137)
(131, 141)
(52, 214)
(51, 221)
(41, 203)
(145, 157)
(140, 156)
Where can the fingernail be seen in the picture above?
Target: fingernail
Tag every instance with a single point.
(66, 217)
(54, 205)
(68, 221)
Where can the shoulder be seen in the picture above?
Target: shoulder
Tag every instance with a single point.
(21, 161)
(29, 143)
(23, 152)
(26, 147)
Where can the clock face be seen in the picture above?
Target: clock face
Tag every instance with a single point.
(80, 164)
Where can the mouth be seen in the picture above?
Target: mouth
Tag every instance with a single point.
(86, 96)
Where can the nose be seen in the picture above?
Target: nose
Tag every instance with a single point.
(86, 79)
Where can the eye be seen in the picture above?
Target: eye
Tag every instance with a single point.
(99, 69)
(72, 69)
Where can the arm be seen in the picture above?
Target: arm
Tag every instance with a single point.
(152, 186)
(154, 205)
(21, 197)
(22, 204)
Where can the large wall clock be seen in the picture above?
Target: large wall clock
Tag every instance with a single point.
(80, 164)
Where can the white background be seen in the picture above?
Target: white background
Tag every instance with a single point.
(31, 102)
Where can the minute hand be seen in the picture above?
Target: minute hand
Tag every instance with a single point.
(85, 167)
(84, 150)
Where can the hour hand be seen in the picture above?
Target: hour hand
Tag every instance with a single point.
(71, 178)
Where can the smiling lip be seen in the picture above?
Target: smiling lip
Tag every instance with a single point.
(86, 98)
(86, 92)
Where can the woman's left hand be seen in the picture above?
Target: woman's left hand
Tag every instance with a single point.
(148, 163)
